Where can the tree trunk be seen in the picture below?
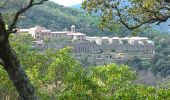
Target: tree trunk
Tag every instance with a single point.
(9, 60)
(15, 72)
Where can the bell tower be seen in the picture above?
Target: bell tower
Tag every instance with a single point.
(73, 29)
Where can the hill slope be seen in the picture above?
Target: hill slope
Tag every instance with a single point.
(57, 17)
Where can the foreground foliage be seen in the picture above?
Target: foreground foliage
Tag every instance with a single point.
(132, 14)
(56, 75)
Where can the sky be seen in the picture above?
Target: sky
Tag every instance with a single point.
(68, 2)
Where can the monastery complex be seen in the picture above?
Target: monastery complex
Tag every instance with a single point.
(97, 50)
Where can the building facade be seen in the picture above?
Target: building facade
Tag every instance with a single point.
(99, 50)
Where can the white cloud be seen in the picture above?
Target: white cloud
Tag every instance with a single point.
(68, 2)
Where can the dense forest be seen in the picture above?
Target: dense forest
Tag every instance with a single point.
(157, 67)
(57, 75)
(58, 18)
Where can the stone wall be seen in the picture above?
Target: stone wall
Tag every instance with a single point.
(84, 47)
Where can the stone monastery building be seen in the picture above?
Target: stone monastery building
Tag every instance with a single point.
(97, 49)
(40, 33)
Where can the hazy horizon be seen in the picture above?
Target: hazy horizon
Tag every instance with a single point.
(67, 3)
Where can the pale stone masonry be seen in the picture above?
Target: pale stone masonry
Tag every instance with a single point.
(41, 33)
(83, 47)
(98, 50)
(104, 53)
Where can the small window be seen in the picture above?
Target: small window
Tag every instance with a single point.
(37, 37)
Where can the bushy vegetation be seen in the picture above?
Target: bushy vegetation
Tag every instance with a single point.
(159, 64)
(56, 75)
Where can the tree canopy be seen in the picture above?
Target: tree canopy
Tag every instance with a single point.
(131, 14)
(57, 75)
(58, 18)
(10, 12)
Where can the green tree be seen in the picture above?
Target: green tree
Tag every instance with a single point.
(134, 62)
(98, 82)
(56, 75)
(132, 14)
(140, 92)
(85, 61)
(10, 12)
(47, 70)
(160, 61)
